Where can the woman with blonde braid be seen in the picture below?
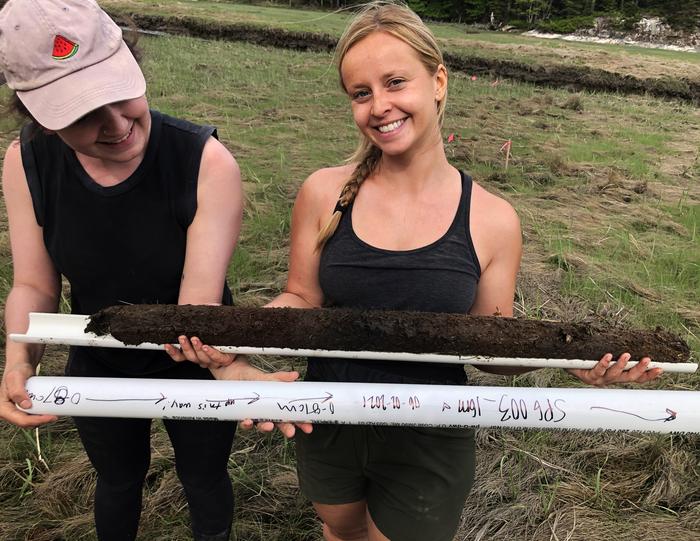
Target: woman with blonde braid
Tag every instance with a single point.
(398, 228)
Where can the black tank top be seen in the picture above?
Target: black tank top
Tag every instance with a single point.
(123, 243)
(439, 277)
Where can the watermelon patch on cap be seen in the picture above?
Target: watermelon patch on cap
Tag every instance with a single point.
(63, 48)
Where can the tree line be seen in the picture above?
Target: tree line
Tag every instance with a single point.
(544, 14)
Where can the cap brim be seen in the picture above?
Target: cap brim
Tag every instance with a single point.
(58, 104)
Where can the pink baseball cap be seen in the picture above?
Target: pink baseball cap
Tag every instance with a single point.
(65, 58)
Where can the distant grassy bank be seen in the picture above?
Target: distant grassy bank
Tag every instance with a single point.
(535, 60)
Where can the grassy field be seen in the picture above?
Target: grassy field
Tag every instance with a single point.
(607, 190)
(629, 60)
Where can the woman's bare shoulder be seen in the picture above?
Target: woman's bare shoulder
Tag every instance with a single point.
(495, 231)
(13, 171)
(13, 150)
(325, 185)
(492, 211)
(329, 178)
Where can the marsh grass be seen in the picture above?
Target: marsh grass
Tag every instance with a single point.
(456, 38)
(608, 197)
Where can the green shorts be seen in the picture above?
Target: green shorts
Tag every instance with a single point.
(415, 479)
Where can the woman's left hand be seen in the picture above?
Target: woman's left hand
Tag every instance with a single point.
(242, 370)
(605, 372)
(227, 366)
(192, 349)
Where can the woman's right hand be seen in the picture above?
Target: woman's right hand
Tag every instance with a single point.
(13, 392)
(227, 366)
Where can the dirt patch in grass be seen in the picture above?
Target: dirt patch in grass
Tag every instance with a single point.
(575, 77)
(578, 77)
(273, 37)
(612, 59)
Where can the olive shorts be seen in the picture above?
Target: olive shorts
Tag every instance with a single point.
(415, 479)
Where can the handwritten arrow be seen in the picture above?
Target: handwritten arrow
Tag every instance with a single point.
(671, 414)
(231, 401)
(158, 400)
(321, 398)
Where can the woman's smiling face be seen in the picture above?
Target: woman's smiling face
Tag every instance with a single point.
(393, 95)
(117, 132)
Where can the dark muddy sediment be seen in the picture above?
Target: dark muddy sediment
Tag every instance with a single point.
(258, 35)
(578, 77)
(388, 331)
(556, 75)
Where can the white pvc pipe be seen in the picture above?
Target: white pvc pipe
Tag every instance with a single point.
(365, 403)
(69, 329)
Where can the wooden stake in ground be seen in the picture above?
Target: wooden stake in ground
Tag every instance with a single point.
(506, 148)
(387, 331)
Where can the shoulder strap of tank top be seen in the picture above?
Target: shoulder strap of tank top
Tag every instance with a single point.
(465, 211)
(465, 200)
(466, 190)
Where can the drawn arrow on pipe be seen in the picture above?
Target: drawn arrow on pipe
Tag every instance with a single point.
(321, 398)
(670, 417)
(157, 400)
(232, 401)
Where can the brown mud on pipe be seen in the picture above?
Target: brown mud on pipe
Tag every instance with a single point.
(386, 331)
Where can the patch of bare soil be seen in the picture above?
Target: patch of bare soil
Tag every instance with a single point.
(616, 61)
(378, 330)
(274, 37)
(576, 77)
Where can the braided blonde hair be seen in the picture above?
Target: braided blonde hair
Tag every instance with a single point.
(398, 20)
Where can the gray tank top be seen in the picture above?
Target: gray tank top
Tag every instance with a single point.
(439, 277)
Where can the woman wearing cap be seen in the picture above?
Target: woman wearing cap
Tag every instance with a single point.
(131, 206)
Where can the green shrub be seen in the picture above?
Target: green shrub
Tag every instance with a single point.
(566, 26)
